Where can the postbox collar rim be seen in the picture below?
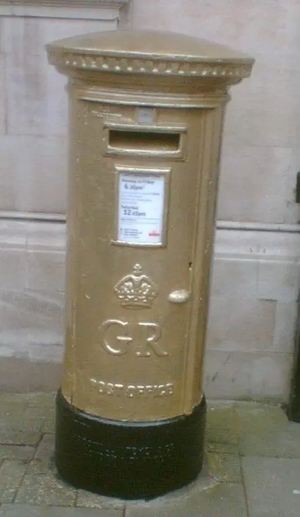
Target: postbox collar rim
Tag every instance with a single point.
(150, 52)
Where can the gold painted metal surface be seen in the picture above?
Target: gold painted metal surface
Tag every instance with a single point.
(181, 296)
(149, 52)
(137, 296)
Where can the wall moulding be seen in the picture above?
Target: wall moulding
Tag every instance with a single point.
(66, 3)
(80, 9)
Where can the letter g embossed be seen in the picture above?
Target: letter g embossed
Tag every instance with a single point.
(111, 336)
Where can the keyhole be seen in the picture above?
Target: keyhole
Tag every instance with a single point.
(190, 266)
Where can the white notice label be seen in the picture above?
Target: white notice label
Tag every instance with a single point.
(141, 209)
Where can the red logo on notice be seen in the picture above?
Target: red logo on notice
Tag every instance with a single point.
(154, 234)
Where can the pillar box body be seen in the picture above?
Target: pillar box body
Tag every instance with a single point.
(146, 119)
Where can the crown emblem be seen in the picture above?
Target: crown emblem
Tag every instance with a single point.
(136, 291)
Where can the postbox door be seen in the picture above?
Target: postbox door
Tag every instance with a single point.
(140, 215)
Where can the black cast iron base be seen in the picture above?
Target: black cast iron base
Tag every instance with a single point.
(128, 460)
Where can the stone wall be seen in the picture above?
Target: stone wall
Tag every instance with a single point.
(256, 269)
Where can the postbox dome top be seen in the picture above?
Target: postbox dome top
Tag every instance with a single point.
(149, 52)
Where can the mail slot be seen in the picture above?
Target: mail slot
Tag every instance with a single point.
(146, 121)
(151, 141)
(144, 142)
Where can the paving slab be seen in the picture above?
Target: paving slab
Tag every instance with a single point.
(11, 474)
(25, 419)
(221, 415)
(273, 486)
(45, 489)
(48, 425)
(10, 402)
(16, 452)
(43, 400)
(220, 500)
(224, 467)
(89, 500)
(222, 429)
(257, 413)
(17, 428)
(27, 412)
(40, 412)
(29, 399)
(23, 510)
(222, 448)
(268, 433)
(9, 436)
(43, 461)
(45, 448)
(223, 436)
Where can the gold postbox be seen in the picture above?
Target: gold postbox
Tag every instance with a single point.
(146, 119)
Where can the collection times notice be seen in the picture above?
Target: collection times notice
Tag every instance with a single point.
(141, 209)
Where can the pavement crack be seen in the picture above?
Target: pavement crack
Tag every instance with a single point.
(244, 489)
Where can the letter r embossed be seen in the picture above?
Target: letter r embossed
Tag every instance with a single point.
(150, 340)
